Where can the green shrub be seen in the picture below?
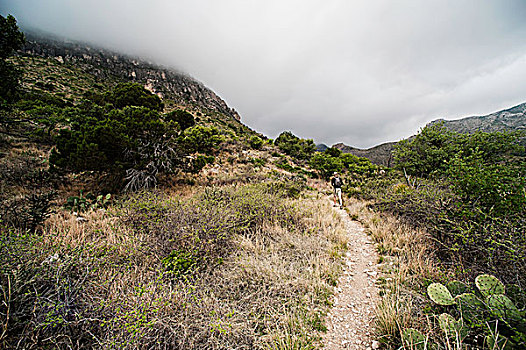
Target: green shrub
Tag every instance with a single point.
(133, 94)
(256, 142)
(184, 119)
(11, 39)
(326, 164)
(100, 140)
(202, 139)
(294, 146)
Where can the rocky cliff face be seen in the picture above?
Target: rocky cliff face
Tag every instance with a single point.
(507, 120)
(105, 65)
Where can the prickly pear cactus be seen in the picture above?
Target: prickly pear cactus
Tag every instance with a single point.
(440, 294)
(414, 339)
(470, 306)
(503, 308)
(453, 328)
(489, 285)
(456, 288)
(498, 342)
(517, 295)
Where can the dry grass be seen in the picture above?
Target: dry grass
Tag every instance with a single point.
(106, 286)
(407, 259)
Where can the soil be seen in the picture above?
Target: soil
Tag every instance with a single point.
(350, 323)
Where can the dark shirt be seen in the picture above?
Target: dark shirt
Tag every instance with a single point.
(336, 182)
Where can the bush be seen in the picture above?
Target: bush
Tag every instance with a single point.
(256, 142)
(11, 39)
(478, 218)
(133, 94)
(294, 146)
(326, 164)
(202, 139)
(184, 119)
(102, 141)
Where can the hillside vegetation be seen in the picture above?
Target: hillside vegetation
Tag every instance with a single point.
(459, 208)
(138, 212)
(128, 218)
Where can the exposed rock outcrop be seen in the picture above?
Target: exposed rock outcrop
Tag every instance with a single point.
(507, 120)
(106, 65)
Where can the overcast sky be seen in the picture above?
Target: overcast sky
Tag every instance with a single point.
(362, 72)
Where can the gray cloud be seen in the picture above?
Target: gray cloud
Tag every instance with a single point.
(359, 72)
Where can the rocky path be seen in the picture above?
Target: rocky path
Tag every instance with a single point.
(350, 322)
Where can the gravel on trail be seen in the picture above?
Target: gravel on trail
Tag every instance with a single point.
(350, 322)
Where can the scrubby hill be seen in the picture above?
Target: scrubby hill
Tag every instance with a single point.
(380, 155)
(511, 119)
(129, 217)
(106, 67)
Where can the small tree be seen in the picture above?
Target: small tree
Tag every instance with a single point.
(256, 142)
(11, 39)
(184, 119)
(133, 94)
(333, 152)
(201, 139)
(326, 164)
(295, 146)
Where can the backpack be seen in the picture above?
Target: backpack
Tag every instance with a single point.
(337, 182)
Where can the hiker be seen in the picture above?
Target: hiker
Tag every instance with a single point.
(337, 183)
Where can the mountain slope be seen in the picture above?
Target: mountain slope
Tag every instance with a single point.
(380, 155)
(175, 88)
(511, 119)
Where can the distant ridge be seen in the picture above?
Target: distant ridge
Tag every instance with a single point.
(321, 147)
(511, 119)
(379, 155)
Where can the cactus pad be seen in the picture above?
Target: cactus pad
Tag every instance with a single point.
(414, 339)
(456, 288)
(440, 294)
(471, 307)
(453, 328)
(503, 308)
(489, 285)
(517, 295)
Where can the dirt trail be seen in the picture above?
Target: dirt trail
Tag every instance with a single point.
(350, 322)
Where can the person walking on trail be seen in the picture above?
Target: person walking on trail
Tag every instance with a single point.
(337, 183)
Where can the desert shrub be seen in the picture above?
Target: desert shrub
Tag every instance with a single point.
(201, 230)
(99, 141)
(471, 199)
(28, 191)
(294, 146)
(133, 94)
(326, 164)
(200, 161)
(333, 152)
(433, 148)
(184, 119)
(284, 164)
(333, 160)
(255, 142)
(228, 268)
(202, 139)
(43, 303)
(129, 140)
